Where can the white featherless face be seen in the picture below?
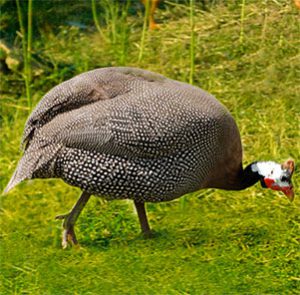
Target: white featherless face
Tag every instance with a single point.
(271, 170)
(276, 176)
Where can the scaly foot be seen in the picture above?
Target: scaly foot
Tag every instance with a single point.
(68, 235)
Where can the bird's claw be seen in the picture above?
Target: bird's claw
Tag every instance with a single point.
(62, 216)
(69, 238)
(68, 235)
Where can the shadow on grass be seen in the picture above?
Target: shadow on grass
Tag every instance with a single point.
(160, 239)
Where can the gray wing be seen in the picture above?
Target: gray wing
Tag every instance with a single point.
(66, 96)
(149, 115)
(82, 90)
(123, 127)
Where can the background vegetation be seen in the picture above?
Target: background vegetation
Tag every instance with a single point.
(244, 52)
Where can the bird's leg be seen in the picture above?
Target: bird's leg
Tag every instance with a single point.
(140, 208)
(70, 220)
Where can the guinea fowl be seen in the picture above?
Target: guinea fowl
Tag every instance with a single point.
(126, 133)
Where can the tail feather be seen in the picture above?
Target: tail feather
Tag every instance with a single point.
(14, 181)
(25, 169)
(33, 159)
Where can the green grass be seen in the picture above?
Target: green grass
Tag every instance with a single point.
(208, 242)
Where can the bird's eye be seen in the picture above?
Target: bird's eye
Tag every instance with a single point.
(284, 178)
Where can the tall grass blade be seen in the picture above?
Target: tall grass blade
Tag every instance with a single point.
(95, 19)
(192, 42)
(242, 20)
(29, 52)
(124, 38)
(265, 21)
(26, 47)
(144, 31)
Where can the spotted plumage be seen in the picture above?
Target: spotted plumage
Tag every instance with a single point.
(129, 133)
(126, 133)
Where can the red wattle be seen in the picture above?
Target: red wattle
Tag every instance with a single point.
(269, 182)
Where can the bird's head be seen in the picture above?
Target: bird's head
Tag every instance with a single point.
(276, 176)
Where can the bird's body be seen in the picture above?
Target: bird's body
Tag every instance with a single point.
(129, 133)
(138, 135)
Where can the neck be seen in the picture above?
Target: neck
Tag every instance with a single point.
(233, 179)
(248, 177)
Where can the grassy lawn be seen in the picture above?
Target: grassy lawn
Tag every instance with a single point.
(208, 242)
